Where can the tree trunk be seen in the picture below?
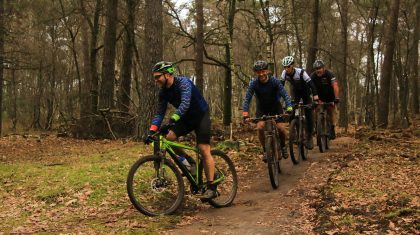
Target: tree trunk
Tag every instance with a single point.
(85, 104)
(36, 116)
(94, 28)
(370, 114)
(386, 71)
(402, 82)
(343, 117)
(298, 39)
(153, 52)
(227, 91)
(13, 100)
(199, 47)
(106, 98)
(125, 85)
(52, 80)
(313, 36)
(229, 72)
(414, 60)
(2, 35)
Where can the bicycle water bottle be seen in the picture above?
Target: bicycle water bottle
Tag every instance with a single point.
(185, 162)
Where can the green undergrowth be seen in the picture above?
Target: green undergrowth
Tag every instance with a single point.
(78, 193)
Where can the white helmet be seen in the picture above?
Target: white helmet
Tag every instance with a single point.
(288, 60)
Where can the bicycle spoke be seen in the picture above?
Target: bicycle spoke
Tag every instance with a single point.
(152, 192)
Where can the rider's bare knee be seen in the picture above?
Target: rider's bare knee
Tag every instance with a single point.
(171, 136)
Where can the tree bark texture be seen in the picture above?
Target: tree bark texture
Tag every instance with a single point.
(199, 46)
(127, 64)
(343, 117)
(106, 98)
(153, 53)
(386, 70)
(414, 60)
(2, 36)
(313, 36)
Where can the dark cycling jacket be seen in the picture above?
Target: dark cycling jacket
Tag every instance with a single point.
(324, 85)
(300, 81)
(185, 97)
(268, 94)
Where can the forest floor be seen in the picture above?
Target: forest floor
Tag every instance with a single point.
(367, 183)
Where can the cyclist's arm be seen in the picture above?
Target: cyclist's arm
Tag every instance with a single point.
(283, 77)
(186, 93)
(161, 110)
(334, 84)
(283, 93)
(308, 81)
(248, 97)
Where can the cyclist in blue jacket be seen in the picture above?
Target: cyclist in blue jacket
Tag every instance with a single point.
(268, 91)
(192, 113)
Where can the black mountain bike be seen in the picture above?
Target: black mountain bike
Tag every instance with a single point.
(155, 185)
(272, 145)
(297, 133)
(323, 126)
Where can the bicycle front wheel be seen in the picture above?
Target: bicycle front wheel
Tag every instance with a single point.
(303, 151)
(294, 141)
(272, 161)
(228, 184)
(154, 189)
(327, 137)
(320, 134)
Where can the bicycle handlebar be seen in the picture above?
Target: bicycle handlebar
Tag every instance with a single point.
(306, 106)
(265, 118)
(319, 103)
(161, 129)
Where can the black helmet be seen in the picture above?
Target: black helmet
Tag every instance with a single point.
(318, 64)
(164, 67)
(260, 65)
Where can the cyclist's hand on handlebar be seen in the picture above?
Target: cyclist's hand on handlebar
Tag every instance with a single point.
(246, 119)
(316, 98)
(149, 138)
(336, 100)
(164, 129)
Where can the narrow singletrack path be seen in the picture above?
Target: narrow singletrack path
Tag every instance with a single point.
(258, 209)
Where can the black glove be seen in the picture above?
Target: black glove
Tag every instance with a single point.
(164, 129)
(149, 138)
(336, 100)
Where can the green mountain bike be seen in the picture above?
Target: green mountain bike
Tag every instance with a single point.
(155, 183)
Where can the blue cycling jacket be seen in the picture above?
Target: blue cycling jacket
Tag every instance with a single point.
(185, 97)
(268, 94)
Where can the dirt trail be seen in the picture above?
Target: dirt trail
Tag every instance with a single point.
(261, 210)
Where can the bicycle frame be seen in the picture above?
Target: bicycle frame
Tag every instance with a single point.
(161, 145)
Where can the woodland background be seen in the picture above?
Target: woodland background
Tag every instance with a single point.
(82, 67)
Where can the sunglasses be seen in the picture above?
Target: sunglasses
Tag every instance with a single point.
(319, 68)
(157, 77)
(286, 67)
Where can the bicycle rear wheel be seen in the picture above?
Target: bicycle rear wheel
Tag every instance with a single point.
(228, 185)
(272, 161)
(155, 190)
